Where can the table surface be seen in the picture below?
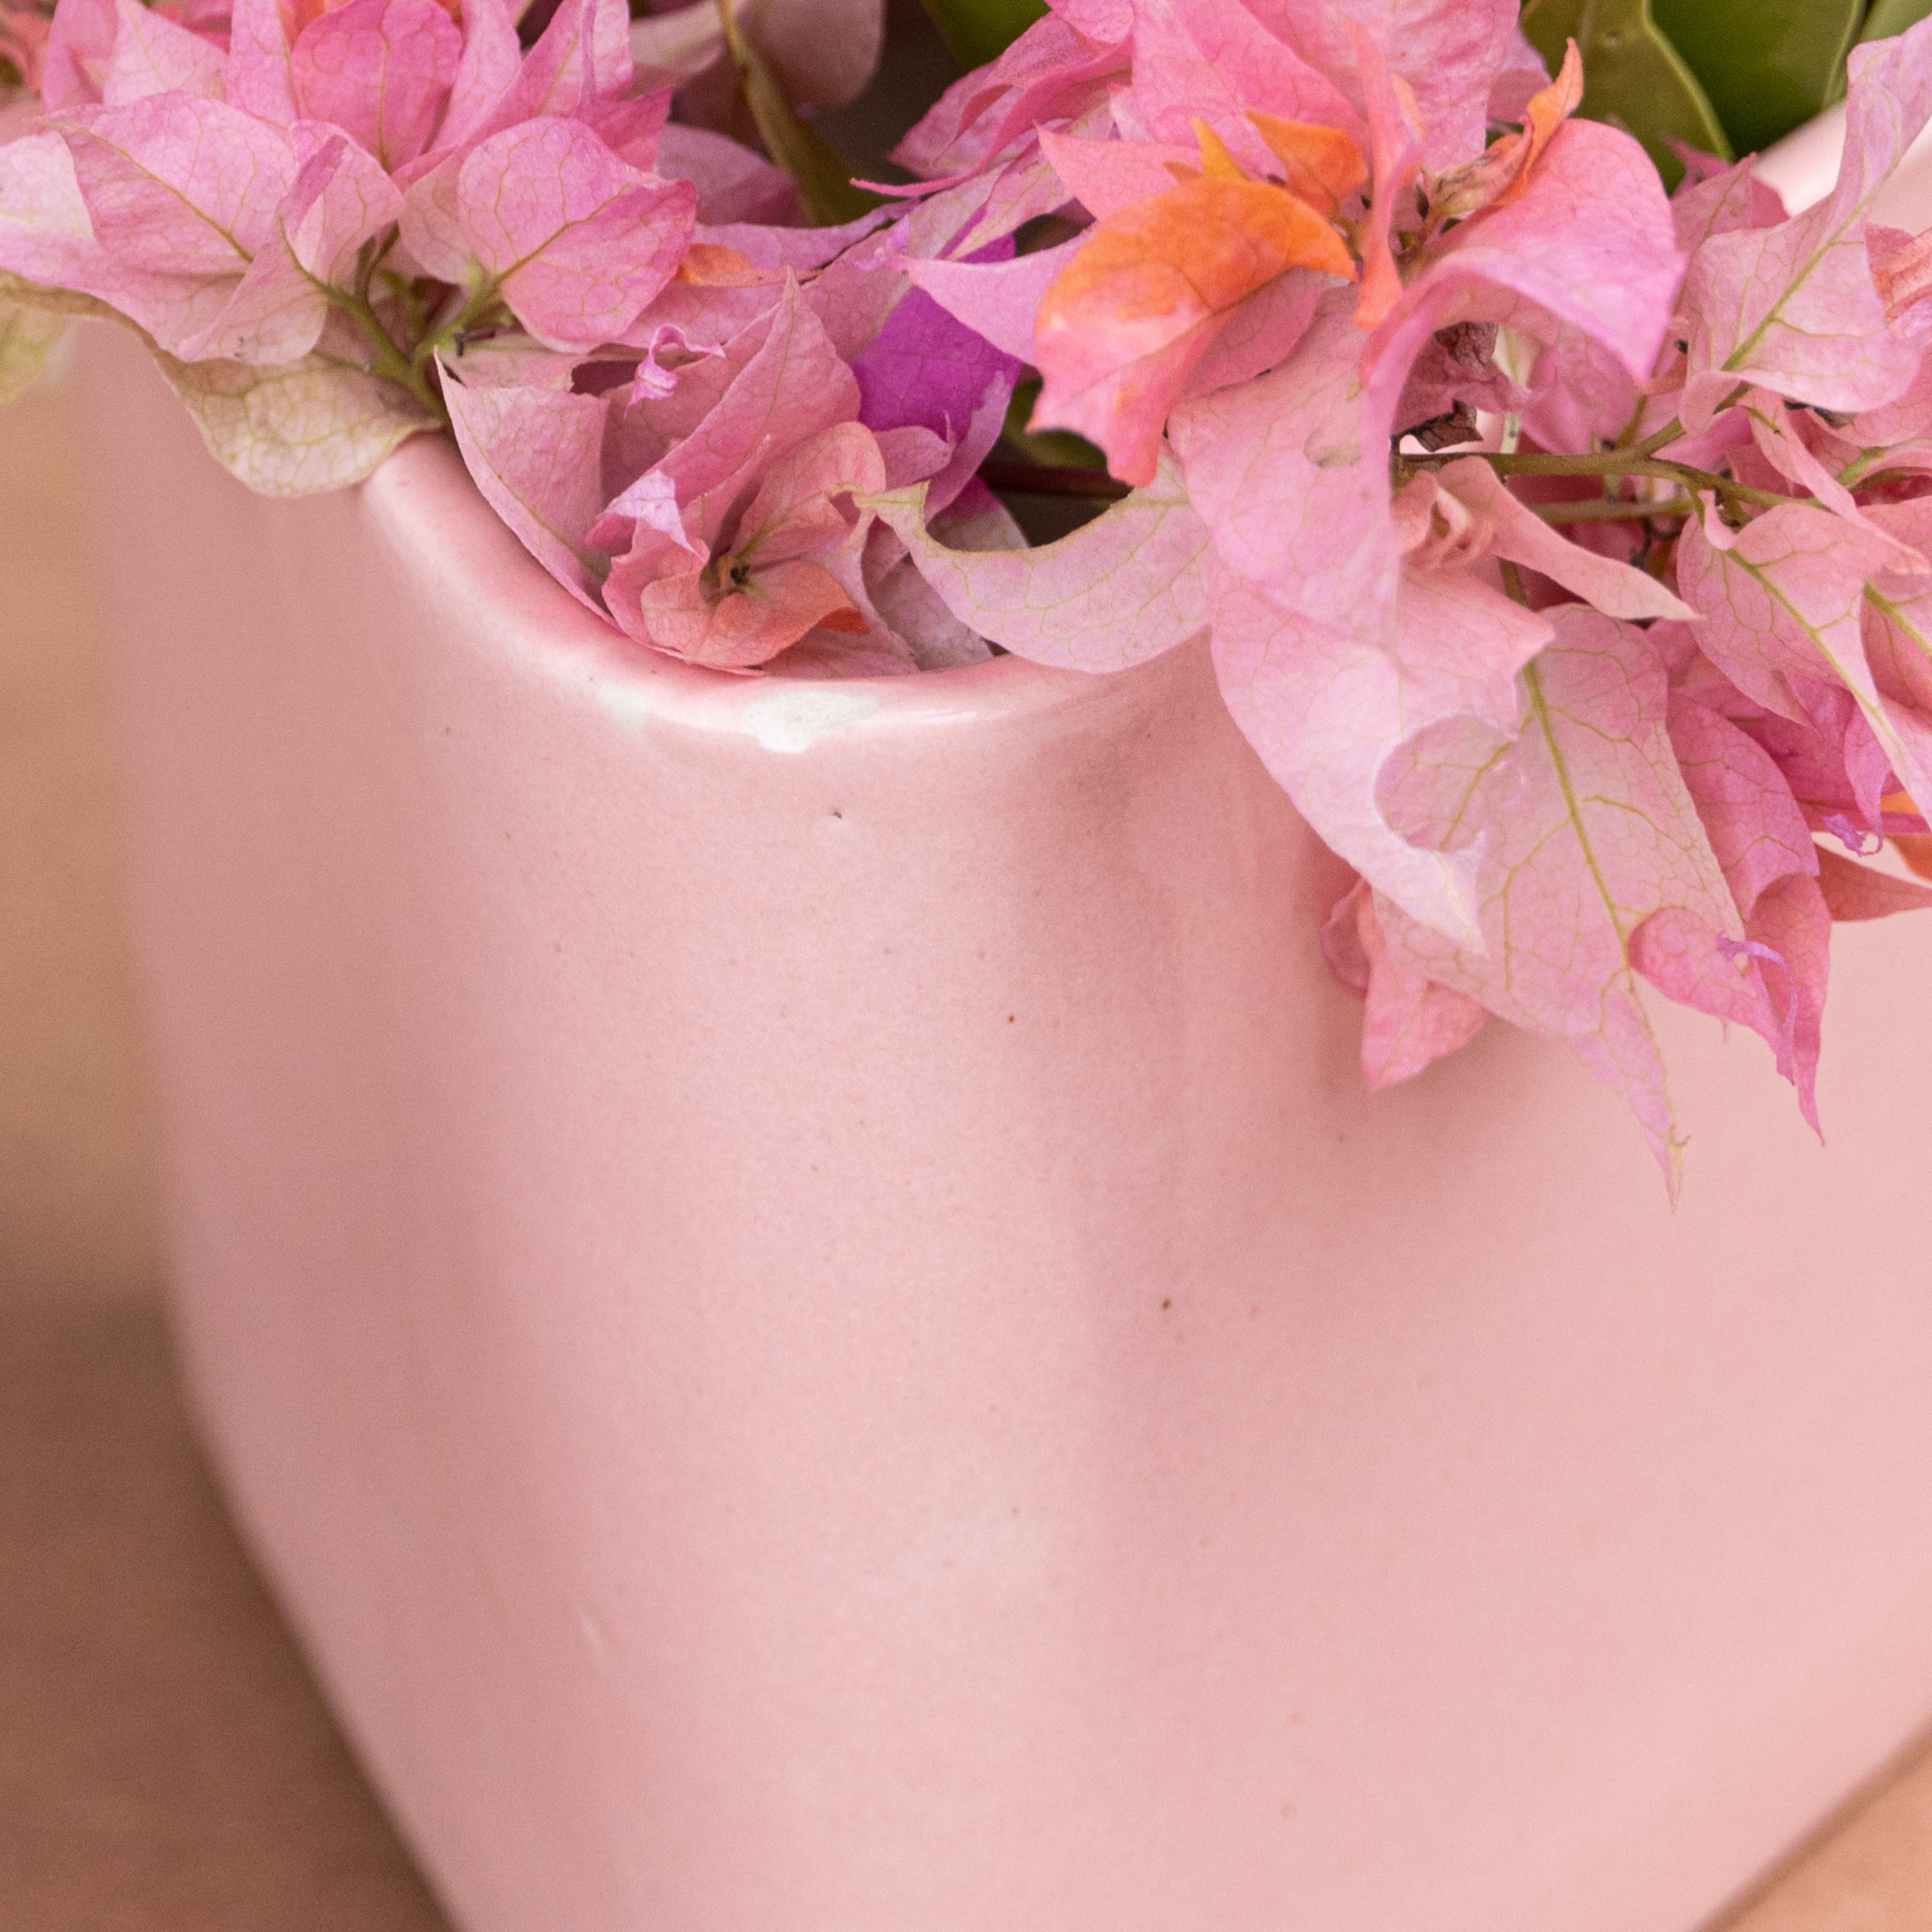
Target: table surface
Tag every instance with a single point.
(166, 1764)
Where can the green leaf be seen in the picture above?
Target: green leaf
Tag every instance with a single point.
(979, 31)
(824, 182)
(1632, 77)
(1889, 17)
(1768, 65)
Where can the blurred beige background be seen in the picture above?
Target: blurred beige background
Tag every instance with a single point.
(165, 1763)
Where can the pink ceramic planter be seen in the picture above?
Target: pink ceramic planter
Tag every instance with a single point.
(797, 1288)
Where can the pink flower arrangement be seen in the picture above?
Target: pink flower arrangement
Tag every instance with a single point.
(1564, 549)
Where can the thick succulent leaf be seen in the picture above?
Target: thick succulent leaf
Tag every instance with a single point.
(980, 31)
(1889, 17)
(1636, 77)
(1124, 588)
(1582, 830)
(1767, 65)
(317, 424)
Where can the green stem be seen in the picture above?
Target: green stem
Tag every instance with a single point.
(1853, 474)
(482, 304)
(1630, 463)
(1616, 513)
(1671, 432)
(385, 359)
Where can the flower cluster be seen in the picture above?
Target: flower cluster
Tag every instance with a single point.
(1564, 550)
(340, 225)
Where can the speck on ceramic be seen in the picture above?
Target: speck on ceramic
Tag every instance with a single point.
(799, 1292)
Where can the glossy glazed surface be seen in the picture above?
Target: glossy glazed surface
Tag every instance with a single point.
(798, 1288)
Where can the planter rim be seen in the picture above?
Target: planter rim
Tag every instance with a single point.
(424, 506)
